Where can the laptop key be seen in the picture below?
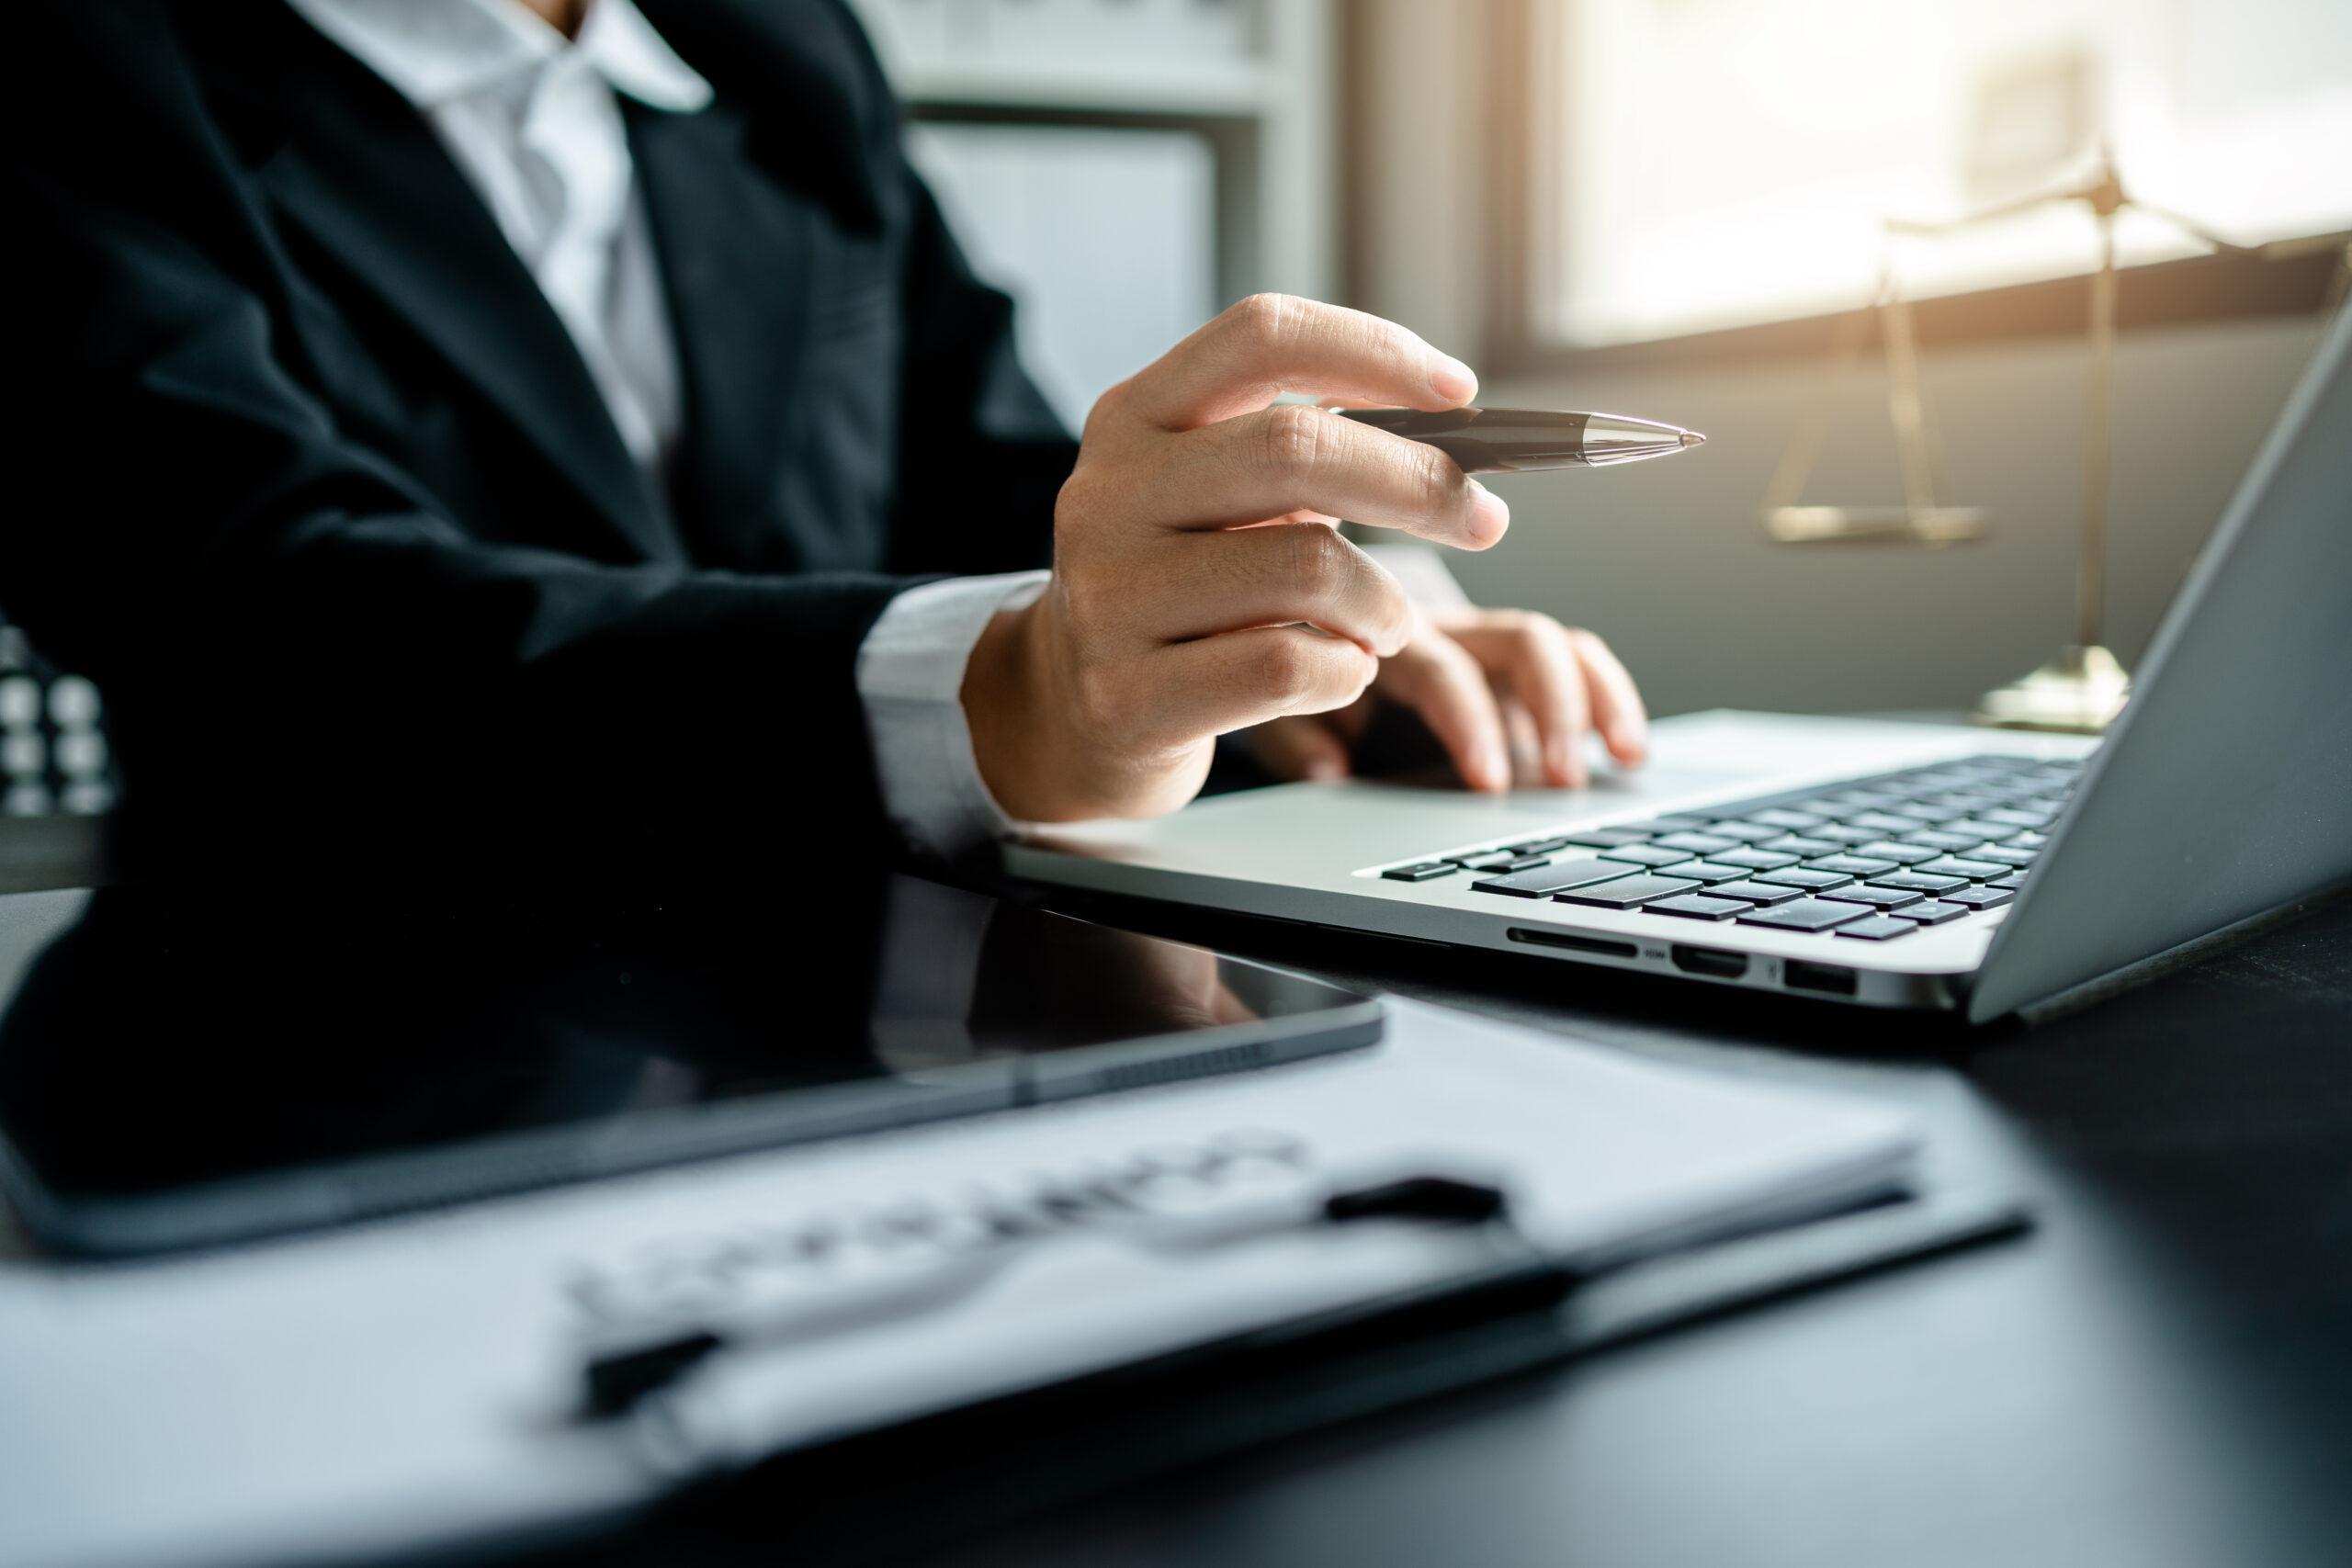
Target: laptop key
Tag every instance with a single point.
(2020, 816)
(1879, 928)
(1754, 860)
(1787, 821)
(1710, 871)
(1746, 833)
(1853, 865)
(1896, 850)
(1874, 896)
(1849, 836)
(1980, 897)
(1918, 882)
(1756, 892)
(2014, 881)
(2026, 841)
(1676, 824)
(1798, 844)
(2005, 854)
(1954, 865)
(1697, 907)
(1647, 854)
(1934, 912)
(1798, 876)
(1507, 862)
(1943, 839)
(1859, 800)
(1805, 915)
(1605, 838)
(1543, 881)
(1697, 843)
(1920, 811)
(1883, 825)
(1420, 871)
(1628, 892)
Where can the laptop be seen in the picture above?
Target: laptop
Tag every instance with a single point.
(1885, 865)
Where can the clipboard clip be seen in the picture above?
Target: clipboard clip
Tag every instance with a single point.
(622, 1373)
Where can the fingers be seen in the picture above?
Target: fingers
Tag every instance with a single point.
(1570, 684)
(1616, 704)
(1271, 344)
(1303, 747)
(1276, 575)
(1438, 678)
(1222, 683)
(1291, 457)
(1533, 654)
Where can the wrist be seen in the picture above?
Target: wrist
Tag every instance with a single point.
(1003, 698)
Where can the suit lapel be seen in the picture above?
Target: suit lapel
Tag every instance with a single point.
(366, 179)
(735, 256)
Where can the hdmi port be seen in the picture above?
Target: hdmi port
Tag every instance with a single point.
(1711, 961)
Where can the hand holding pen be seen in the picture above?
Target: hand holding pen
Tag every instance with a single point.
(1198, 587)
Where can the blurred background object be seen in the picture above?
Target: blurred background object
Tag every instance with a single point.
(1124, 168)
(54, 751)
(1672, 209)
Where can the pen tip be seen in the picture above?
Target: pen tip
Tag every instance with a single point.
(1692, 438)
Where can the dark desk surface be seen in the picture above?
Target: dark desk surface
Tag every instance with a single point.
(2161, 1374)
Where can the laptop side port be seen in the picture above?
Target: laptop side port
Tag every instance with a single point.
(1574, 944)
(1834, 979)
(1711, 961)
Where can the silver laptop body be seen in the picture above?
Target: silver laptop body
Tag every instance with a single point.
(2224, 793)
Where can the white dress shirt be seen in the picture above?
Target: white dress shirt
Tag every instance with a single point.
(531, 118)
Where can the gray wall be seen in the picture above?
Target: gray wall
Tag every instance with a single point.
(1666, 559)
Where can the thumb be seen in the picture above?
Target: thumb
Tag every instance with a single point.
(1300, 747)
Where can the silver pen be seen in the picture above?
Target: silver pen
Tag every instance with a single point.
(1519, 441)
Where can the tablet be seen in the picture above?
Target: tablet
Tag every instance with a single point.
(189, 1068)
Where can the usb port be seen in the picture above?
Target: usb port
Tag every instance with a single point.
(1834, 979)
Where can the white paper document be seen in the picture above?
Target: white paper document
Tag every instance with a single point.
(419, 1380)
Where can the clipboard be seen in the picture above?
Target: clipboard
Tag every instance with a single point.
(989, 1465)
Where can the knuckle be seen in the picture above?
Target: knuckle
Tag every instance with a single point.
(1108, 408)
(1535, 630)
(1314, 557)
(1080, 497)
(1287, 669)
(1291, 435)
(1268, 317)
(1438, 484)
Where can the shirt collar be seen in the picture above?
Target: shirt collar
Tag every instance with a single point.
(432, 51)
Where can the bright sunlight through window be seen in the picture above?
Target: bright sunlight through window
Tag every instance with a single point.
(1714, 162)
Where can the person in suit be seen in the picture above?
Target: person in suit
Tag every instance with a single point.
(567, 429)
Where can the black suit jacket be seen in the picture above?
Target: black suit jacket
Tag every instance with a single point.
(320, 492)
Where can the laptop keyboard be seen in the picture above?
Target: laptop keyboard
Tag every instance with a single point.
(1872, 859)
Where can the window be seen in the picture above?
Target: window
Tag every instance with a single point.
(1705, 164)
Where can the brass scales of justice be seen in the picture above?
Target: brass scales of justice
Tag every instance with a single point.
(2082, 689)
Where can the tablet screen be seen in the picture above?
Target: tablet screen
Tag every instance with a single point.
(295, 1056)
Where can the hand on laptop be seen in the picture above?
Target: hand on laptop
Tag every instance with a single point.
(1497, 688)
(1198, 586)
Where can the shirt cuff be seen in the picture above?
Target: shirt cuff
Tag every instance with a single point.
(910, 678)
